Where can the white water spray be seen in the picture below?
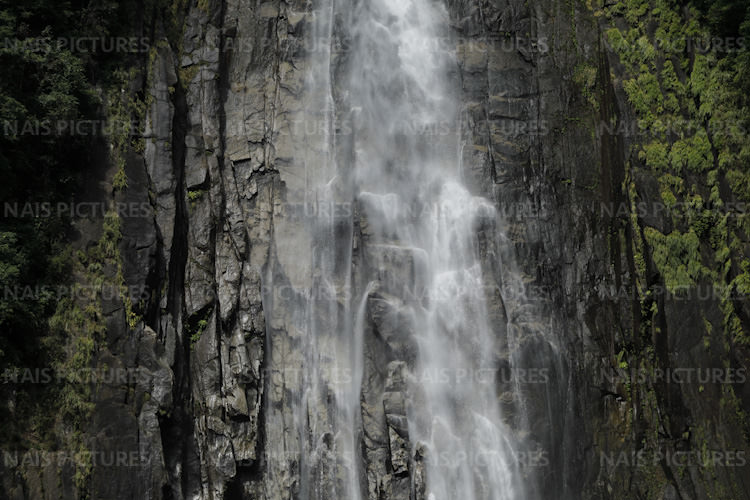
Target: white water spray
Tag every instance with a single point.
(403, 171)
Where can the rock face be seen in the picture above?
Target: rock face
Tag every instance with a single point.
(223, 257)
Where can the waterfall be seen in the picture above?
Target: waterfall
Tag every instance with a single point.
(391, 222)
(407, 155)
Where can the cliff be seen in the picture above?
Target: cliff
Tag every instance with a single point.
(617, 255)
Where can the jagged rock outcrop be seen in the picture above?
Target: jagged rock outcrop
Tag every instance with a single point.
(223, 247)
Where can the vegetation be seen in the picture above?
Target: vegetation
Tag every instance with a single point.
(64, 99)
(196, 331)
(684, 67)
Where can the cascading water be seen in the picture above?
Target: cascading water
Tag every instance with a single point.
(407, 156)
(398, 163)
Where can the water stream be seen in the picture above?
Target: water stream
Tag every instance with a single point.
(396, 168)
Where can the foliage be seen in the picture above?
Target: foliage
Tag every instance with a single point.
(196, 325)
(677, 257)
(684, 67)
(47, 86)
